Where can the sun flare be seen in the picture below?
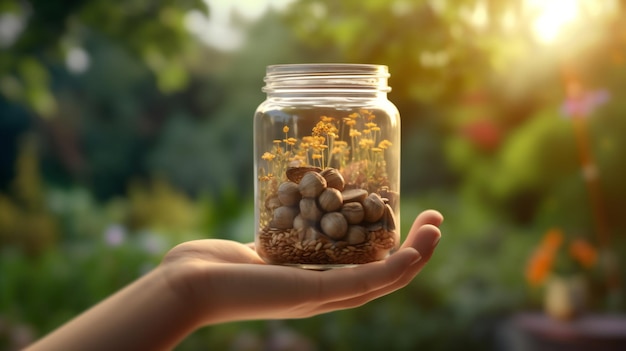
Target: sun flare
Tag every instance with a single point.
(551, 17)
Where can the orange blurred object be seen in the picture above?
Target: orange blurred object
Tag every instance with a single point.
(583, 252)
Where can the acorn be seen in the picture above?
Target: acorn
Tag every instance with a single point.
(309, 210)
(353, 211)
(389, 219)
(283, 217)
(288, 193)
(353, 195)
(334, 179)
(334, 225)
(330, 200)
(391, 197)
(356, 235)
(312, 184)
(299, 223)
(295, 174)
(272, 203)
(374, 207)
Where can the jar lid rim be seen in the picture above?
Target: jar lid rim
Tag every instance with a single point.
(324, 68)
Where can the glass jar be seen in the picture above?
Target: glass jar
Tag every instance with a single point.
(327, 166)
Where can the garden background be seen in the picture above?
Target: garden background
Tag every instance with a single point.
(126, 127)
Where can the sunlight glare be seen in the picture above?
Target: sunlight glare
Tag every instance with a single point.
(552, 17)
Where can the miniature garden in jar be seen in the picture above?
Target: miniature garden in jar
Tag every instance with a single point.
(327, 166)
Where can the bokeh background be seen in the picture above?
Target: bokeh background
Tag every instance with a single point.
(126, 128)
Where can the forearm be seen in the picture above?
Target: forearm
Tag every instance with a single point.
(146, 315)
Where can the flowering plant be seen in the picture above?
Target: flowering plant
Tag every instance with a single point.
(558, 256)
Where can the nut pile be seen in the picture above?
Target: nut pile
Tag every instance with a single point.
(316, 219)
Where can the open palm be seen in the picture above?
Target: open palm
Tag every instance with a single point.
(228, 281)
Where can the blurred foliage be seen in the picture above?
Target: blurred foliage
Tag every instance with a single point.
(121, 134)
(25, 220)
(48, 290)
(158, 204)
(154, 33)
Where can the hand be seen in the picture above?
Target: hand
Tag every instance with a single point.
(226, 281)
(213, 281)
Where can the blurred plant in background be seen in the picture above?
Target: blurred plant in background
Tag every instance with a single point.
(123, 132)
(25, 220)
(555, 255)
(562, 268)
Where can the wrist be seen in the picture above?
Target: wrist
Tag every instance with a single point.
(183, 297)
(146, 315)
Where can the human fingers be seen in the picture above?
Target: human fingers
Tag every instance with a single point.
(428, 217)
(252, 291)
(427, 237)
(368, 281)
(346, 283)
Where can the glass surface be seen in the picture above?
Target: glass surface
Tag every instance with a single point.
(327, 169)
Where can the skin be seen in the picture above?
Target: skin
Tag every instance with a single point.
(205, 282)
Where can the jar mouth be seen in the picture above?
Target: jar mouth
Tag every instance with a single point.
(315, 77)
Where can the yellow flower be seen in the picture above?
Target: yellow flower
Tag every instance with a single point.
(354, 133)
(268, 156)
(384, 144)
(285, 129)
(370, 125)
(367, 113)
(308, 139)
(319, 129)
(366, 143)
(316, 156)
(322, 128)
